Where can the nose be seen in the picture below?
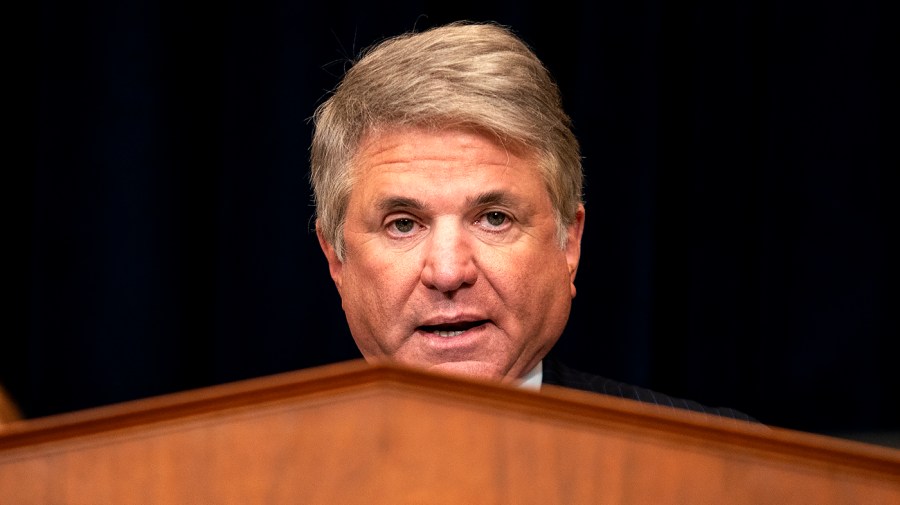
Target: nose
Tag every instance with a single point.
(449, 261)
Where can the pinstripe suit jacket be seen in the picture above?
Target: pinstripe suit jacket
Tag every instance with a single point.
(558, 374)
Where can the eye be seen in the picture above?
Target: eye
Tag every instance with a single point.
(402, 226)
(494, 220)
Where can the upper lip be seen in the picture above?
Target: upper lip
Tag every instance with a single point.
(452, 322)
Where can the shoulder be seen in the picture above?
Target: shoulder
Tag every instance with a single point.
(558, 374)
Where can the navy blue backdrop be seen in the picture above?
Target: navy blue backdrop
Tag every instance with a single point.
(740, 160)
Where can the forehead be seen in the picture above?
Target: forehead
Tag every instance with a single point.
(392, 154)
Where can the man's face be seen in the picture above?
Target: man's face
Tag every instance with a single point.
(452, 259)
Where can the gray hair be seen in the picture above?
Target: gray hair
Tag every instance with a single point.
(478, 76)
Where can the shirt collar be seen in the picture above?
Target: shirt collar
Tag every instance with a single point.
(532, 380)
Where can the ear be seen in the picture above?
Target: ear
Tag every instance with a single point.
(335, 265)
(573, 245)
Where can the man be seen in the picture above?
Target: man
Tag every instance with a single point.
(448, 195)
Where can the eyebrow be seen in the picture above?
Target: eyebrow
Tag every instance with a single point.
(399, 202)
(489, 198)
(486, 199)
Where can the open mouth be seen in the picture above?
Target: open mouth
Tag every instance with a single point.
(452, 329)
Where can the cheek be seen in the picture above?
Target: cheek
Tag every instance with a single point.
(528, 280)
(377, 285)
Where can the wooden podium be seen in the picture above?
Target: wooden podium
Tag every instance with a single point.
(353, 433)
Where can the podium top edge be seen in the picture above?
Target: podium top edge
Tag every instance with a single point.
(554, 403)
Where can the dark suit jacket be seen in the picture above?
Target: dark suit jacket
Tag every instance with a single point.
(558, 374)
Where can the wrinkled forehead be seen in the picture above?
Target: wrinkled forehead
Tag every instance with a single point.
(376, 140)
(357, 183)
(442, 173)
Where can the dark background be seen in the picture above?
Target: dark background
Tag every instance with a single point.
(740, 160)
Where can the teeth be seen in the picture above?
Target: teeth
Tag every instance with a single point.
(448, 333)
